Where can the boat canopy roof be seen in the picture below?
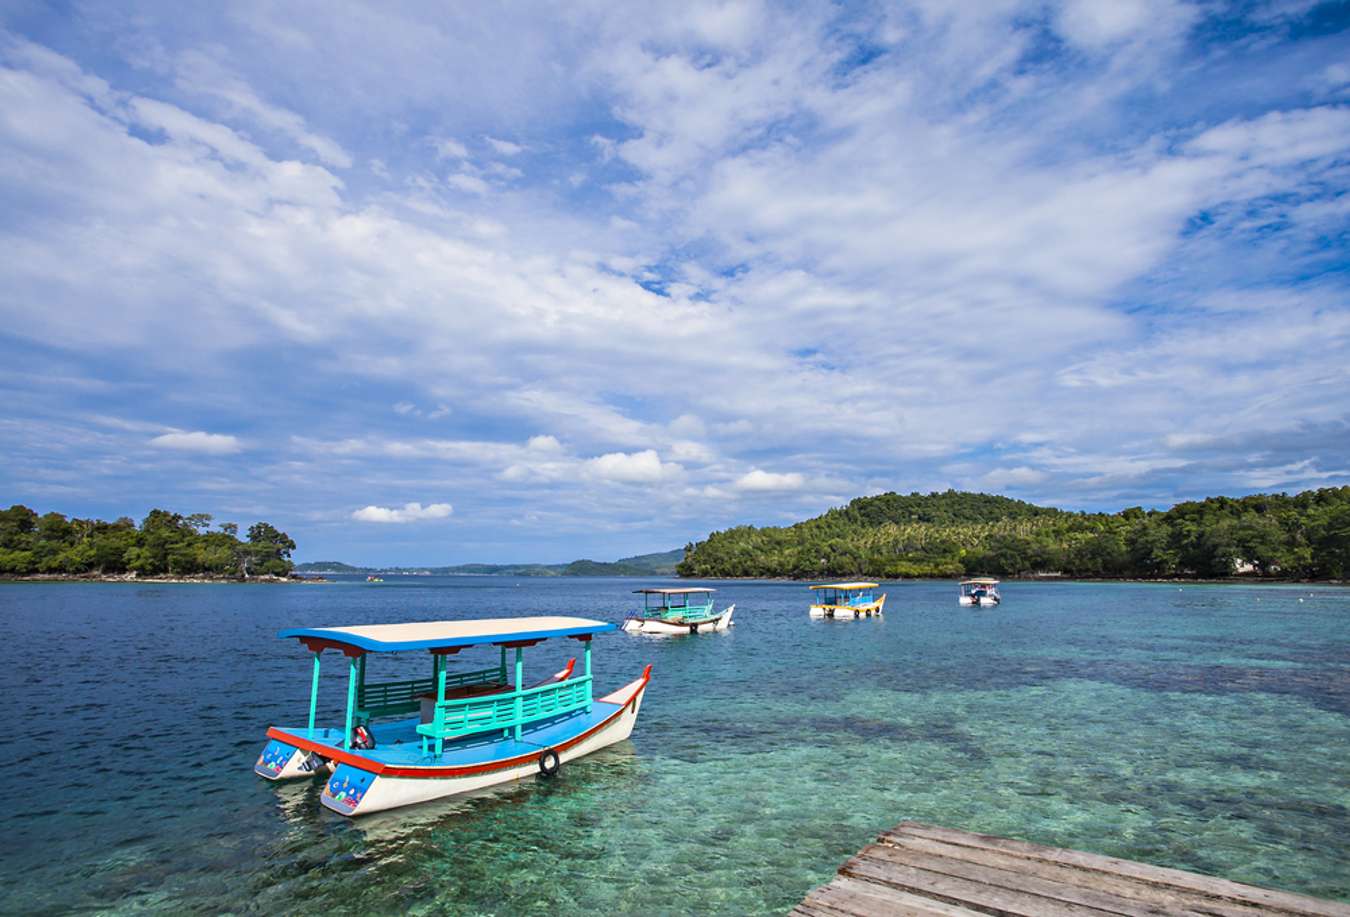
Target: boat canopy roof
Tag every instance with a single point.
(980, 581)
(682, 591)
(847, 586)
(426, 635)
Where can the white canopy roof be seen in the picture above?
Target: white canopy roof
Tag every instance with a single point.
(847, 586)
(417, 635)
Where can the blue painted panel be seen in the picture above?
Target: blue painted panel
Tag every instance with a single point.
(273, 758)
(348, 786)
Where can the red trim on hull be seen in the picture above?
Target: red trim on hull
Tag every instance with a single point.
(390, 770)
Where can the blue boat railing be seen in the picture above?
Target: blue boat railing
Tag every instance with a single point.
(454, 719)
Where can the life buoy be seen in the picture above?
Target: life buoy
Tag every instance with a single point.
(549, 763)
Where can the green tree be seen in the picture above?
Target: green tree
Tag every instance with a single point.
(269, 550)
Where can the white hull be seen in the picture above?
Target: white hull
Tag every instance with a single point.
(389, 792)
(985, 602)
(672, 629)
(847, 613)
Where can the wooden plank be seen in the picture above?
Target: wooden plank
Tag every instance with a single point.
(962, 892)
(1171, 899)
(1020, 881)
(855, 897)
(1270, 900)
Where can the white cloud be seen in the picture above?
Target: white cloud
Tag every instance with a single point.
(466, 182)
(504, 147)
(758, 480)
(198, 441)
(448, 148)
(687, 450)
(643, 467)
(544, 443)
(409, 512)
(199, 73)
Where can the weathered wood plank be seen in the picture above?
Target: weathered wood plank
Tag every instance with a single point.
(1021, 881)
(1270, 900)
(853, 896)
(930, 871)
(962, 892)
(1170, 899)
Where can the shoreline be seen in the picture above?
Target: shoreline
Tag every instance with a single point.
(161, 580)
(1179, 580)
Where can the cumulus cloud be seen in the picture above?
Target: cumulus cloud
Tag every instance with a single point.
(643, 467)
(758, 480)
(408, 512)
(198, 441)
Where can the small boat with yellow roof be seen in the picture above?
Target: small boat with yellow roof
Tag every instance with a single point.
(846, 601)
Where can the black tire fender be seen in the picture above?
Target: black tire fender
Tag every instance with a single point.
(549, 763)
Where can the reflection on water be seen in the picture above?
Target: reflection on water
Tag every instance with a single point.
(1202, 727)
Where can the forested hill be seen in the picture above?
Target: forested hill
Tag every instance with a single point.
(953, 533)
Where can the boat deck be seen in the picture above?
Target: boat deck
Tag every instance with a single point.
(927, 870)
(397, 743)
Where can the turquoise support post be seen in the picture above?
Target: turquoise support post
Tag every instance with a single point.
(361, 690)
(520, 686)
(351, 701)
(588, 675)
(313, 695)
(503, 666)
(440, 699)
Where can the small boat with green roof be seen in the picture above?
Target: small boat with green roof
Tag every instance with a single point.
(673, 612)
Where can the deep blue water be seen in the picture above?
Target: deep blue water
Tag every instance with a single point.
(1202, 727)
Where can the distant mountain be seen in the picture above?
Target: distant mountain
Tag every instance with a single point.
(660, 564)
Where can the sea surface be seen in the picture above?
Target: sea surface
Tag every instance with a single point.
(1200, 727)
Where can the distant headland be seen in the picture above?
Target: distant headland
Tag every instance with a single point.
(165, 547)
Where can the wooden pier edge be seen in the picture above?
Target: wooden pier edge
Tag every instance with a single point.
(926, 870)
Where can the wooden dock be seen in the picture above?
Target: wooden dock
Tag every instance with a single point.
(926, 870)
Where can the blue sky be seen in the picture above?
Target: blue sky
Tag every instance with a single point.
(428, 285)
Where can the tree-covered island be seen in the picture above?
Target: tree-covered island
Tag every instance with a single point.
(1304, 536)
(165, 544)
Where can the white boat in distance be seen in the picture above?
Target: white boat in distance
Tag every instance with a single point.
(846, 601)
(982, 591)
(674, 612)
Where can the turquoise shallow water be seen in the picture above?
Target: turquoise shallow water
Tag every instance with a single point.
(1202, 727)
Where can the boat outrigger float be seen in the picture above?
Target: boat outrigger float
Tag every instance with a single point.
(468, 730)
(688, 610)
(846, 600)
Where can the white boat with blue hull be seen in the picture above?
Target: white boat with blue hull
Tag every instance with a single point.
(471, 729)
